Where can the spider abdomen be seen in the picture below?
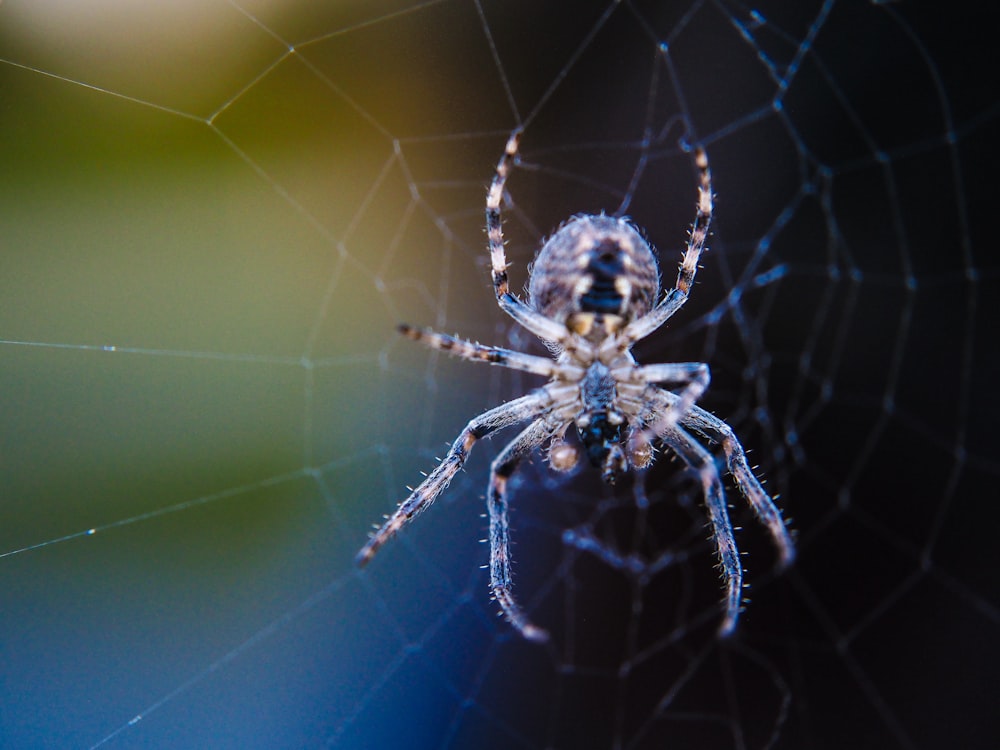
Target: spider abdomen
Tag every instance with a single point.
(604, 280)
(592, 270)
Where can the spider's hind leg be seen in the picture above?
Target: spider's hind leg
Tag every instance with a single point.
(500, 579)
(546, 329)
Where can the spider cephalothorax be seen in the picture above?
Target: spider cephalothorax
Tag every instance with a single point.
(591, 296)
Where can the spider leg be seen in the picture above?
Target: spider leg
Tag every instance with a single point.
(494, 230)
(640, 328)
(494, 355)
(695, 374)
(763, 506)
(656, 400)
(538, 324)
(503, 467)
(701, 461)
(515, 411)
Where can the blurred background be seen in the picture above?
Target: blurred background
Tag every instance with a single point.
(213, 215)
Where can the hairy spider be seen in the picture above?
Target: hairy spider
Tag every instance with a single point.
(591, 296)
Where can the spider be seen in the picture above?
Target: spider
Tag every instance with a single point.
(592, 294)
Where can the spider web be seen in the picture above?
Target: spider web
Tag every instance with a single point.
(214, 214)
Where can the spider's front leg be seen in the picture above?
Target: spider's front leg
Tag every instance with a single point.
(763, 506)
(518, 410)
(693, 375)
(701, 461)
(500, 580)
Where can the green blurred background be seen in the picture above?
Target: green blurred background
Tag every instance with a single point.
(202, 263)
